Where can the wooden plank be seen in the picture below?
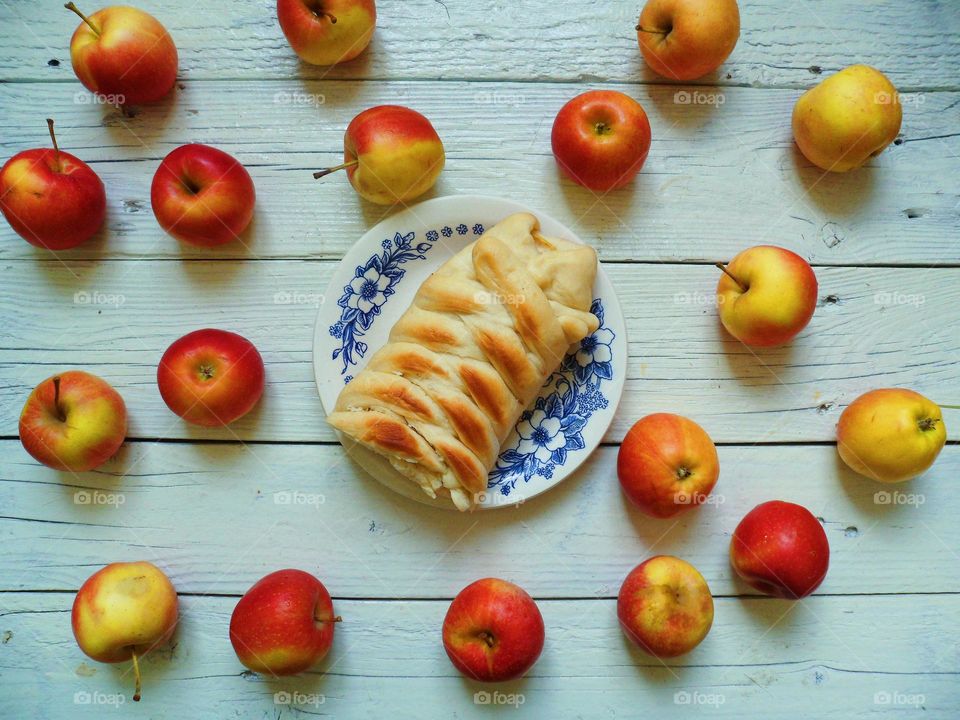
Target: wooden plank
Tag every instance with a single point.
(387, 656)
(718, 179)
(781, 42)
(219, 516)
(874, 327)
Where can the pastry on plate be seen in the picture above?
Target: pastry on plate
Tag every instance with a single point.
(470, 354)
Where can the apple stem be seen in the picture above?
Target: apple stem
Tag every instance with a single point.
(732, 276)
(136, 676)
(88, 21)
(324, 13)
(61, 415)
(487, 638)
(652, 32)
(326, 171)
(56, 148)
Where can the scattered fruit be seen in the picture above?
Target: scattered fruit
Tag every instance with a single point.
(283, 625)
(73, 421)
(780, 549)
(51, 198)
(327, 32)
(493, 631)
(686, 39)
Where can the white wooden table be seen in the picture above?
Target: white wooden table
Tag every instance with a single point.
(880, 636)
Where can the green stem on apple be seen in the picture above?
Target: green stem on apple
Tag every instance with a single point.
(731, 276)
(61, 415)
(88, 21)
(136, 676)
(56, 148)
(326, 171)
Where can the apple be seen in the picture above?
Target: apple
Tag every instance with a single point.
(122, 612)
(890, 435)
(73, 421)
(493, 631)
(283, 625)
(327, 32)
(686, 39)
(665, 606)
(391, 154)
(667, 464)
(780, 549)
(51, 198)
(847, 118)
(601, 139)
(202, 195)
(766, 295)
(124, 54)
(211, 377)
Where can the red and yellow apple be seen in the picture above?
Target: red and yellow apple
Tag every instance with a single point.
(601, 139)
(73, 421)
(202, 195)
(123, 53)
(686, 39)
(51, 198)
(780, 549)
(391, 154)
(211, 377)
(327, 32)
(766, 295)
(665, 606)
(122, 612)
(847, 118)
(493, 631)
(891, 435)
(283, 625)
(667, 464)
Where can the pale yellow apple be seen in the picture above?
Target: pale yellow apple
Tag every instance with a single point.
(847, 119)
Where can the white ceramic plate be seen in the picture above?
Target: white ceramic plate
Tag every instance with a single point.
(375, 283)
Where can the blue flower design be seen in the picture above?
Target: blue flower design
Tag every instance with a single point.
(447, 232)
(366, 291)
(461, 229)
(432, 235)
(478, 229)
(386, 244)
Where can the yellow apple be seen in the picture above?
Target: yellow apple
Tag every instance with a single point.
(686, 39)
(327, 32)
(890, 435)
(847, 119)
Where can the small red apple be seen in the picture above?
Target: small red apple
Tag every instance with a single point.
(73, 421)
(665, 606)
(327, 32)
(601, 139)
(211, 377)
(51, 198)
(780, 549)
(124, 53)
(493, 631)
(283, 625)
(667, 464)
(202, 195)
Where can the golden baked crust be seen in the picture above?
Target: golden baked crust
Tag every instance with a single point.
(480, 338)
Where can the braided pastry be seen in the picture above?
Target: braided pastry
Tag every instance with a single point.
(472, 351)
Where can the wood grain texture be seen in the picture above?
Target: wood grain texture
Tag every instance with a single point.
(816, 660)
(218, 516)
(719, 178)
(782, 43)
(874, 327)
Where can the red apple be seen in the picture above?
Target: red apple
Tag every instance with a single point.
(391, 154)
(665, 606)
(493, 631)
(601, 139)
(780, 549)
(766, 295)
(211, 377)
(50, 198)
(73, 421)
(327, 32)
(122, 612)
(667, 464)
(686, 39)
(284, 624)
(123, 53)
(202, 195)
